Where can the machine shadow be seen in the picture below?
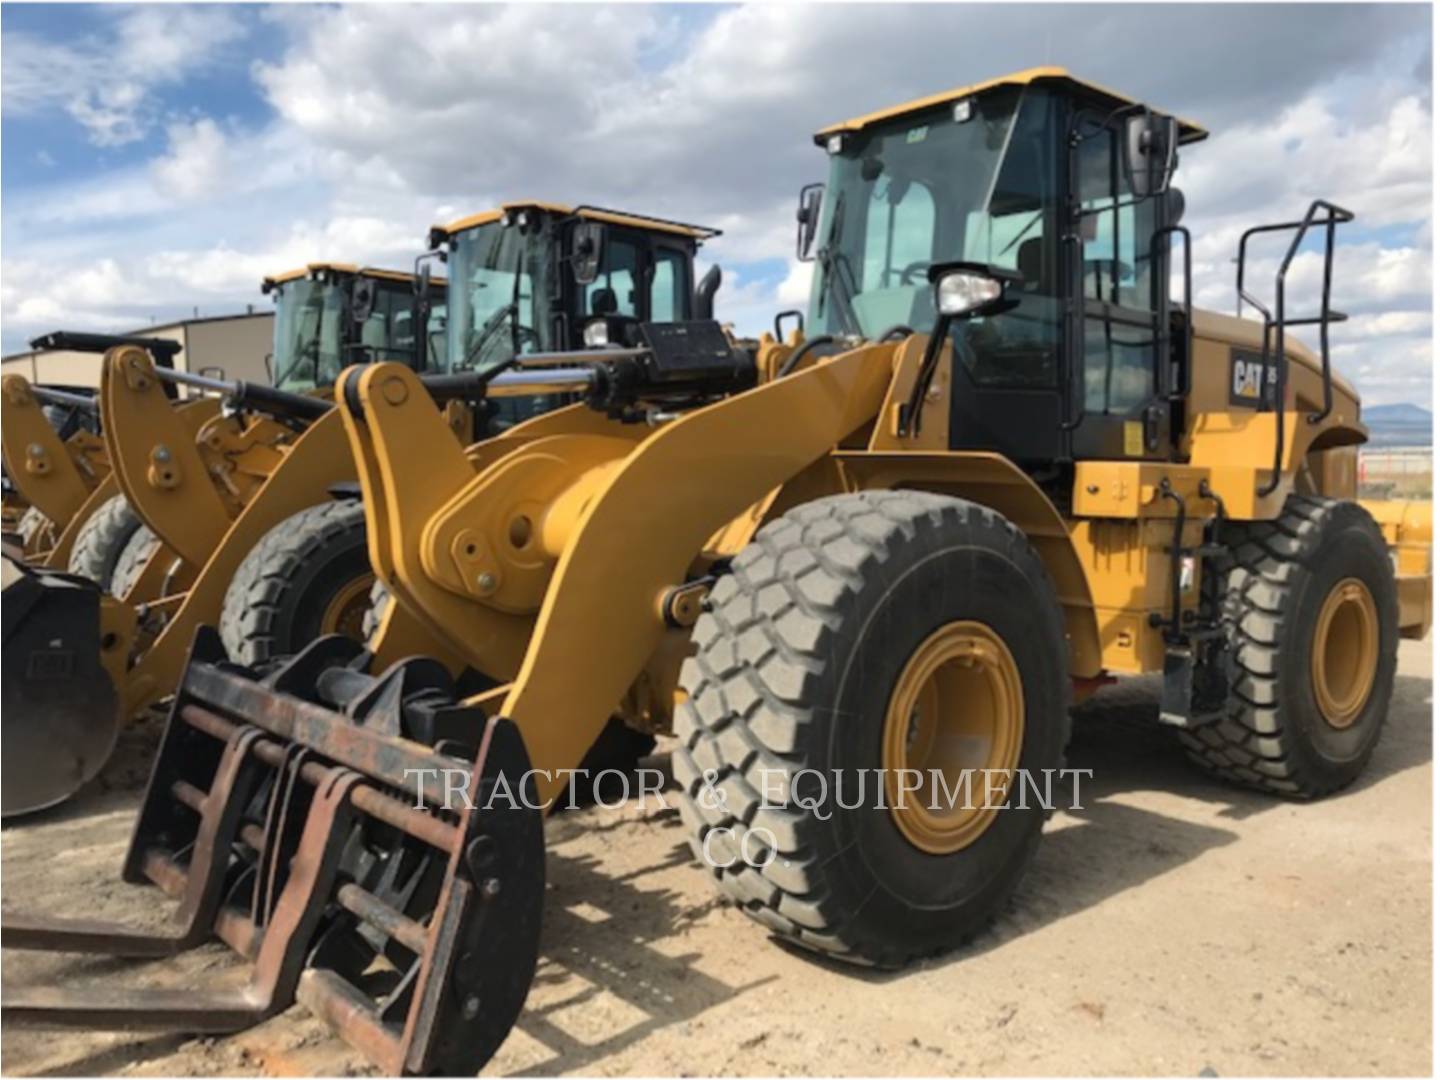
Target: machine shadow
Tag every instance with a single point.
(108, 1061)
(601, 929)
(1108, 846)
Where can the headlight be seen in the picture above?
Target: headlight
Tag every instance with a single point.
(960, 292)
(596, 333)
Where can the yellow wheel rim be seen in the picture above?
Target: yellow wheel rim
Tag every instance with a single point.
(1344, 652)
(957, 710)
(345, 613)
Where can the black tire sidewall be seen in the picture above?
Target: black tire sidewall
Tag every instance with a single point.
(1349, 548)
(331, 567)
(916, 899)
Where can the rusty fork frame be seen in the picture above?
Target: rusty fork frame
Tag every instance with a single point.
(275, 817)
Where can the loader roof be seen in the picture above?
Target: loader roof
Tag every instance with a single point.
(341, 268)
(1189, 132)
(589, 213)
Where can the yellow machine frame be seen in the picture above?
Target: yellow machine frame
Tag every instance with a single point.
(514, 555)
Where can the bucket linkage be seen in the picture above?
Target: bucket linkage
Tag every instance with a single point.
(284, 816)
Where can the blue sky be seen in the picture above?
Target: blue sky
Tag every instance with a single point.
(157, 159)
(39, 150)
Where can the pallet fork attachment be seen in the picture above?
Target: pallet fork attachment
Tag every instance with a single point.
(302, 820)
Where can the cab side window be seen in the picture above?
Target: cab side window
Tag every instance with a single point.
(615, 290)
(667, 286)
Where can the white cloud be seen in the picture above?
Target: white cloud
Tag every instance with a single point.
(106, 82)
(388, 118)
(795, 287)
(197, 163)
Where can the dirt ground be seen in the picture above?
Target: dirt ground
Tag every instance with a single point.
(1173, 926)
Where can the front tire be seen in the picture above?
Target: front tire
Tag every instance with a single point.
(1311, 611)
(826, 625)
(309, 576)
(102, 540)
(134, 558)
(36, 531)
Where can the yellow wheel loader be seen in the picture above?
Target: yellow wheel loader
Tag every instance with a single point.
(249, 517)
(174, 482)
(864, 573)
(188, 473)
(72, 415)
(523, 280)
(55, 460)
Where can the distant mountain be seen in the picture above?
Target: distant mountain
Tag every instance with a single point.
(1401, 424)
(1403, 412)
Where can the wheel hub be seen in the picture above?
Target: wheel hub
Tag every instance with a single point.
(345, 613)
(1344, 652)
(957, 715)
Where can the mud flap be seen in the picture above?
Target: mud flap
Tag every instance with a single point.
(60, 713)
(302, 818)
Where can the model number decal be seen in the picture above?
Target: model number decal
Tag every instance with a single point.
(1252, 380)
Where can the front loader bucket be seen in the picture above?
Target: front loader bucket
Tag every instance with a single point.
(60, 714)
(302, 818)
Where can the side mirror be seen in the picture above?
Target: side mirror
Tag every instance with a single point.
(422, 280)
(362, 300)
(966, 290)
(807, 218)
(1151, 152)
(587, 245)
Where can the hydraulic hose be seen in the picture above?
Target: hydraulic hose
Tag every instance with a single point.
(808, 346)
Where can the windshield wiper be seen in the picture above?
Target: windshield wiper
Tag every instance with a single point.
(311, 349)
(492, 325)
(1021, 234)
(831, 260)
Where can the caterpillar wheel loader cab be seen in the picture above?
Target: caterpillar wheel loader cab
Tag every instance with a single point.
(522, 281)
(327, 315)
(828, 562)
(180, 507)
(187, 474)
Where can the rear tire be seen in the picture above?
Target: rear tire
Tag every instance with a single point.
(806, 644)
(102, 539)
(309, 576)
(1280, 585)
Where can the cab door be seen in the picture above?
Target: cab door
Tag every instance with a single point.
(1006, 394)
(1119, 285)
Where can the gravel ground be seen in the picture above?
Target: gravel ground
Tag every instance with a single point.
(1172, 926)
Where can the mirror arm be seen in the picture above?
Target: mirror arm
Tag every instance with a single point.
(909, 420)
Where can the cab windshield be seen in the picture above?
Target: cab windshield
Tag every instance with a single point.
(309, 339)
(933, 189)
(498, 300)
(904, 195)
